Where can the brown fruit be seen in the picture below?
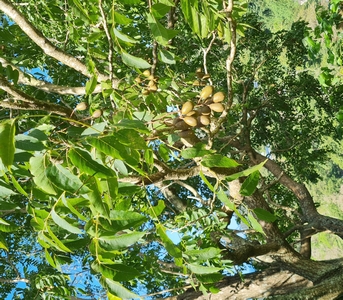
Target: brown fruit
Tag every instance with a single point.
(206, 92)
(217, 107)
(204, 120)
(206, 76)
(196, 83)
(185, 133)
(181, 125)
(204, 110)
(198, 70)
(81, 106)
(97, 114)
(218, 97)
(146, 73)
(191, 121)
(187, 107)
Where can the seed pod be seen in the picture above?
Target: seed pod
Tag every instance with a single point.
(204, 110)
(146, 73)
(151, 83)
(97, 114)
(204, 120)
(206, 92)
(153, 88)
(191, 113)
(81, 106)
(186, 133)
(181, 125)
(217, 107)
(191, 121)
(206, 76)
(168, 122)
(138, 80)
(145, 92)
(151, 77)
(196, 83)
(218, 97)
(187, 107)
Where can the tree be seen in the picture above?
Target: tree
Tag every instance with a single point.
(123, 123)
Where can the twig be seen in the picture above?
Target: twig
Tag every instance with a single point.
(42, 42)
(205, 52)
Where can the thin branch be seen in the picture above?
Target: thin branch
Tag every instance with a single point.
(42, 42)
(205, 53)
(28, 102)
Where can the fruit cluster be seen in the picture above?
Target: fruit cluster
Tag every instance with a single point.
(149, 82)
(199, 114)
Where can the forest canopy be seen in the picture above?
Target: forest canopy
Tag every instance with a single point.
(162, 148)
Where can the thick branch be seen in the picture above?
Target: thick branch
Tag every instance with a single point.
(28, 79)
(47, 47)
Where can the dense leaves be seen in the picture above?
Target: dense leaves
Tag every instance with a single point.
(101, 173)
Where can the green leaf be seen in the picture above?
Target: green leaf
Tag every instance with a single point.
(199, 150)
(118, 242)
(159, 10)
(130, 2)
(108, 145)
(91, 85)
(255, 224)
(137, 125)
(123, 37)
(121, 219)
(218, 160)
(18, 186)
(79, 10)
(55, 242)
(197, 269)
(3, 244)
(156, 210)
(63, 223)
(115, 272)
(264, 215)
(49, 258)
(171, 248)
(204, 254)
(8, 227)
(7, 149)
(83, 160)
(121, 19)
(5, 190)
(250, 183)
(160, 33)
(209, 185)
(117, 289)
(167, 57)
(246, 172)
(64, 180)
(163, 150)
(131, 138)
(97, 205)
(133, 61)
(29, 143)
(38, 165)
(95, 129)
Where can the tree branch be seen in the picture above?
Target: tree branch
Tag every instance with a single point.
(28, 79)
(47, 47)
(30, 103)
